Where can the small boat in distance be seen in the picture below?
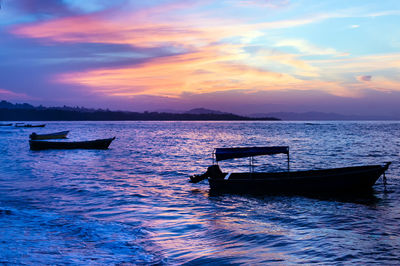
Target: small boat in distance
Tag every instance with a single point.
(335, 180)
(57, 135)
(100, 144)
(28, 125)
(5, 125)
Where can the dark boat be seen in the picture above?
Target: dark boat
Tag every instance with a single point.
(57, 135)
(5, 125)
(335, 180)
(29, 125)
(100, 144)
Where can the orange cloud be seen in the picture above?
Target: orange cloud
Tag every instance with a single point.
(205, 70)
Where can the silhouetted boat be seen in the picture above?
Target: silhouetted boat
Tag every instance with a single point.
(91, 144)
(5, 125)
(57, 135)
(335, 180)
(29, 125)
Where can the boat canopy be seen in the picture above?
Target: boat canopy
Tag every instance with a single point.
(231, 153)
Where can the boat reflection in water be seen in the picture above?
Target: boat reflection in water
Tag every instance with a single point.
(353, 179)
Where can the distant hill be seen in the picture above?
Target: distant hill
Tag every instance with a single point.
(318, 116)
(8, 105)
(26, 112)
(170, 111)
(194, 111)
(203, 111)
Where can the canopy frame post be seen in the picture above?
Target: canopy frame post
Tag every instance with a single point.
(251, 164)
(213, 158)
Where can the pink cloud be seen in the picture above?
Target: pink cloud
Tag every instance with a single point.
(10, 95)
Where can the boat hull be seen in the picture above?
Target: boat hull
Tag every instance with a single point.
(336, 180)
(92, 144)
(57, 135)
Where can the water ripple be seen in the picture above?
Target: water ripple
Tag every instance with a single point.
(132, 204)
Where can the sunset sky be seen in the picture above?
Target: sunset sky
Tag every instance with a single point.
(241, 56)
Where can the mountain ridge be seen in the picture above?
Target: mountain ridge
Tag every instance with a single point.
(320, 116)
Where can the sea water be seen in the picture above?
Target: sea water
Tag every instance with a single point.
(133, 204)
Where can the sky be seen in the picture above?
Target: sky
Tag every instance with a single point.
(240, 56)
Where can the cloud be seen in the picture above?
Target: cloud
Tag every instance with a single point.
(98, 28)
(46, 9)
(211, 69)
(6, 95)
(367, 63)
(280, 61)
(383, 69)
(39, 8)
(172, 50)
(157, 26)
(202, 61)
(364, 78)
(204, 70)
(261, 3)
(88, 6)
(306, 48)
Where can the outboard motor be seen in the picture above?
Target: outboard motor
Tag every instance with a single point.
(33, 136)
(213, 171)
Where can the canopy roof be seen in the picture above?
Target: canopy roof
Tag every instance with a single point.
(231, 153)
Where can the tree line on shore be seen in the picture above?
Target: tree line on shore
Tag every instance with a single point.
(27, 112)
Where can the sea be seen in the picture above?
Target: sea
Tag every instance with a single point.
(133, 205)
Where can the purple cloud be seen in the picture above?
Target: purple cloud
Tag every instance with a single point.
(365, 78)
